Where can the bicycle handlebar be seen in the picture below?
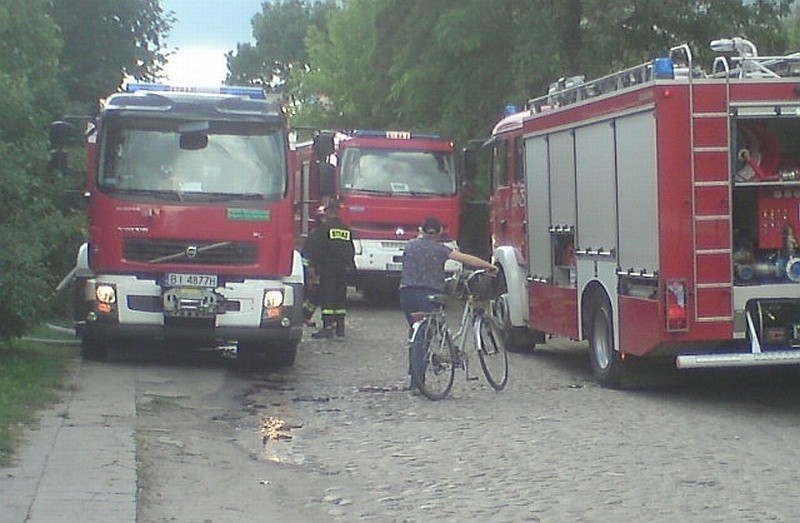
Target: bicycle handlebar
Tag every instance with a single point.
(465, 274)
(463, 280)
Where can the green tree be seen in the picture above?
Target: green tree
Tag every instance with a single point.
(279, 30)
(452, 65)
(621, 34)
(792, 27)
(29, 223)
(107, 40)
(341, 88)
(55, 56)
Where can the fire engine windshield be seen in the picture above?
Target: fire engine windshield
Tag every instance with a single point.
(398, 171)
(243, 159)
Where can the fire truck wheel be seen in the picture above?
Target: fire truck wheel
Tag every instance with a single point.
(282, 354)
(276, 354)
(607, 365)
(516, 339)
(93, 350)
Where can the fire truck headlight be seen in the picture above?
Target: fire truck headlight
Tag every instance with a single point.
(105, 293)
(272, 299)
(358, 248)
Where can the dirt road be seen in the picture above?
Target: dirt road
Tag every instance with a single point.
(336, 439)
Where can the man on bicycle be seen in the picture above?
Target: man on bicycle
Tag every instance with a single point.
(423, 270)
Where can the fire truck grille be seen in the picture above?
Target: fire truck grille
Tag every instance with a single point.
(189, 252)
(409, 230)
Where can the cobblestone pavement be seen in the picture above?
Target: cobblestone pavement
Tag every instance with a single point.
(553, 446)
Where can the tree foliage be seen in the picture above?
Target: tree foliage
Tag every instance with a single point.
(452, 65)
(107, 40)
(279, 30)
(55, 55)
(29, 48)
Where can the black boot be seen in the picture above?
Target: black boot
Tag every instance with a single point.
(323, 333)
(327, 330)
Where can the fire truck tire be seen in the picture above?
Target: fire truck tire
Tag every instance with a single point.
(283, 354)
(516, 339)
(275, 354)
(93, 350)
(607, 365)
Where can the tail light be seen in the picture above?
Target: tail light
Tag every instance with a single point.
(675, 296)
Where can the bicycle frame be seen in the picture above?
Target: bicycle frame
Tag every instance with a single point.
(466, 327)
(436, 352)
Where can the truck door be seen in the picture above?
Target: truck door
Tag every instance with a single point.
(507, 203)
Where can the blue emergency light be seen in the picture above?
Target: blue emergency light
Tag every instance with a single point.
(663, 68)
(254, 93)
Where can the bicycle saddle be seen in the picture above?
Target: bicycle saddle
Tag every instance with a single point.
(438, 299)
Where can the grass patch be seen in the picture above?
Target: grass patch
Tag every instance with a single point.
(31, 375)
(53, 331)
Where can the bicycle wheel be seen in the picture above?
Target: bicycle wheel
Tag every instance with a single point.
(432, 368)
(492, 351)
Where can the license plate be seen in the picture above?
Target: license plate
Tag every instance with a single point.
(394, 266)
(191, 280)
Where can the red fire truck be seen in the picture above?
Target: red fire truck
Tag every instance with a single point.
(189, 224)
(388, 183)
(655, 211)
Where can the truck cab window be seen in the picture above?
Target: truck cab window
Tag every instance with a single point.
(392, 170)
(239, 159)
(499, 164)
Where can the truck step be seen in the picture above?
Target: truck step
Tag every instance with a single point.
(781, 357)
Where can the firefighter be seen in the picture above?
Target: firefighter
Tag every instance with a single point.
(311, 276)
(330, 251)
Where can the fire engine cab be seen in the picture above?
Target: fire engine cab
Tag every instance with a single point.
(189, 219)
(387, 182)
(655, 211)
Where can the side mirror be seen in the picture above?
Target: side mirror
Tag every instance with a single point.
(327, 185)
(470, 164)
(59, 134)
(323, 145)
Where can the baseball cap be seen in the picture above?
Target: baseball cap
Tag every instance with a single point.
(431, 225)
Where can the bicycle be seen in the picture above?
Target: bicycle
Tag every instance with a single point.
(437, 352)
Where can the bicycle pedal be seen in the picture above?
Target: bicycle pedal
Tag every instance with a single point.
(472, 378)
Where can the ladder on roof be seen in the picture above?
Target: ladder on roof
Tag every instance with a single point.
(747, 64)
(573, 89)
(742, 61)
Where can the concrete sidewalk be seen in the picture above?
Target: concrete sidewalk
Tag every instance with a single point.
(78, 463)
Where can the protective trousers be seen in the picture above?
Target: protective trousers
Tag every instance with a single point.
(333, 298)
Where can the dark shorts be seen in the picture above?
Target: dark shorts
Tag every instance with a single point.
(415, 299)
